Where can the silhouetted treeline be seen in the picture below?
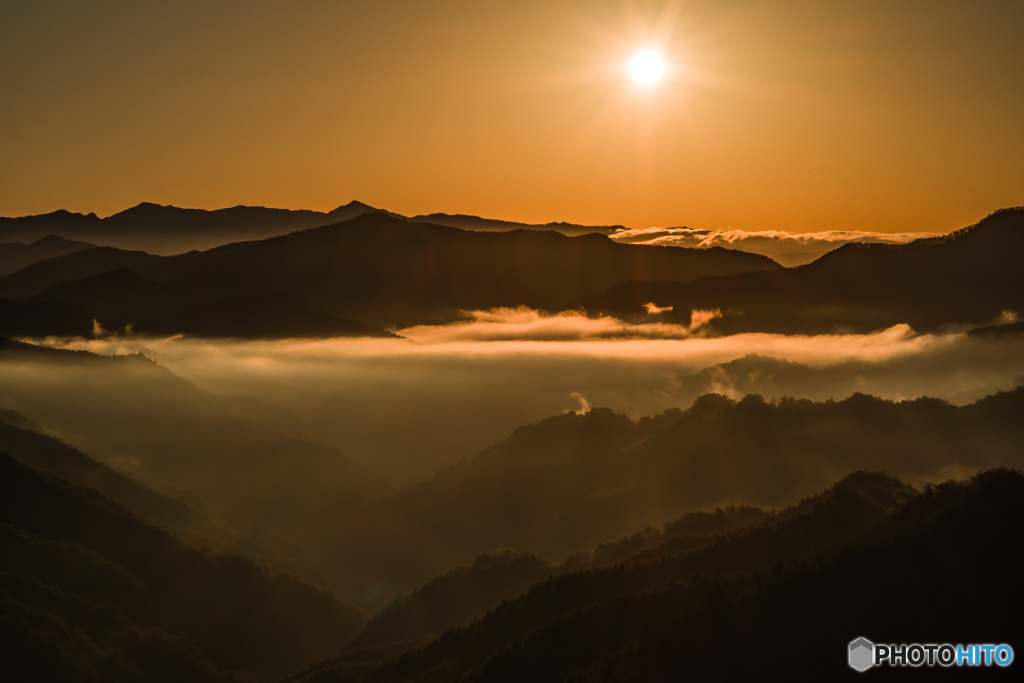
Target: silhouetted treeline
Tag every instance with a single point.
(780, 601)
(968, 277)
(91, 592)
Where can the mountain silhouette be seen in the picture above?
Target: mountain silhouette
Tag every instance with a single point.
(388, 271)
(217, 452)
(969, 277)
(172, 230)
(865, 557)
(376, 271)
(469, 592)
(88, 590)
(16, 255)
(121, 298)
(465, 222)
(168, 230)
(18, 319)
(56, 458)
(567, 483)
(374, 268)
(43, 275)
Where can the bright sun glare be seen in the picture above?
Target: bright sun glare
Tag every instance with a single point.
(647, 67)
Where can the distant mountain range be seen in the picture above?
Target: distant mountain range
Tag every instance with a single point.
(489, 224)
(969, 277)
(322, 282)
(171, 230)
(15, 255)
(376, 271)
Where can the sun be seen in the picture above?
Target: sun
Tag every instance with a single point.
(647, 67)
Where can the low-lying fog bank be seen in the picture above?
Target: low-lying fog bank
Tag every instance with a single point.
(406, 407)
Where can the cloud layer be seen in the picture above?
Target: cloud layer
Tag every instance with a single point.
(526, 324)
(410, 406)
(789, 249)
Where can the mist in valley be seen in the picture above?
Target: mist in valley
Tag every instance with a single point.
(352, 461)
(465, 342)
(405, 408)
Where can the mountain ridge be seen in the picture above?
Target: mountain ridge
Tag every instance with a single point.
(561, 485)
(375, 268)
(140, 226)
(17, 255)
(968, 277)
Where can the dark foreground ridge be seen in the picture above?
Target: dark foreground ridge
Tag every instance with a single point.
(778, 600)
(570, 482)
(89, 591)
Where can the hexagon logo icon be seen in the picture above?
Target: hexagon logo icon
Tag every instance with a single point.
(862, 654)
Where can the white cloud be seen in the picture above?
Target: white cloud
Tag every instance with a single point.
(787, 248)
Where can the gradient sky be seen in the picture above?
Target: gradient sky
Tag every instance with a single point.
(886, 115)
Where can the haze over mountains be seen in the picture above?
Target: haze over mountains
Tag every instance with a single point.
(571, 496)
(90, 590)
(389, 449)
(148, 423)
(721, 606)
(569, 482)
(677, 341)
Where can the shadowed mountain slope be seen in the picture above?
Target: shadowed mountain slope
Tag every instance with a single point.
(565, 484)
(468, 592)
(820, 575)
(23, 319)
(121, 298)
(968, 277)
(44, 275)
(16, 255)
(53, 457)
(139, 418)
(391, 272)
(375, 267)
(107, 593)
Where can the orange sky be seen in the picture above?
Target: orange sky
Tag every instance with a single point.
(798, 115)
